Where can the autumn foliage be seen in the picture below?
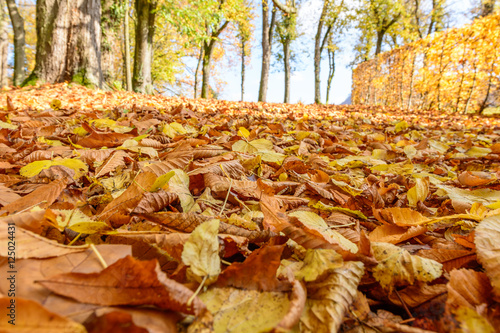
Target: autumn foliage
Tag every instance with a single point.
(454, 70)
(138, 213)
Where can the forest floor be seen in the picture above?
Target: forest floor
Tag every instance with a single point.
(124, 212)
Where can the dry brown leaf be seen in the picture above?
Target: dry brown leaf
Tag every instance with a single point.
(400, 216)
(155, 201)
(30, 316)
(257, 272)
(451, 259)
(173, 160)
(232, 168)
(31, 245)
(393, 234)
(468, 288)
(7, 196)
(475, 178)
(129, 199)
(102, 139)
(43, 196)
(32, 221)
(487, 245)
(418, 294)
(126, 282)
(111, 163)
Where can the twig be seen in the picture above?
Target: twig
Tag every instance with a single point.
(99, 256)
(404, 304)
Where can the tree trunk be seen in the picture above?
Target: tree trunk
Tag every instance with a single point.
(331, 73)
(68, 42)
(200, 58)
(4, 47)
(19, 42)
(208, 49)
(317, 55)
(380, 38)
(109, 25)
(286, 60)
(487, 7)
(267, 30)
(242, 69)
(144, 32)
(126, 38)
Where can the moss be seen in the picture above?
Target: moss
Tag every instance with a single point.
(31, 80)
(80, 78)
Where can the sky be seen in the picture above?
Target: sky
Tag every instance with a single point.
(302, 81)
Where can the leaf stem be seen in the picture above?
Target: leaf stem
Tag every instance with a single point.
(190, 300)
(99, 256)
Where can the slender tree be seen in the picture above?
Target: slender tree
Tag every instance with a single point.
(286, 32)
(4, 46)
(267, 38)
(144, 32)
(208, 49)
(19, 42)
(126, 39)
(333, 19)
(68, 42)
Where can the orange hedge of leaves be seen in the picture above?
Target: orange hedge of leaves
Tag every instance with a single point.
(457, 70)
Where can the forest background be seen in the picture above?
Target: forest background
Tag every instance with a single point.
(350, 32)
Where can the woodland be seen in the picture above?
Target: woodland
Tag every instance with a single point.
(123, 209)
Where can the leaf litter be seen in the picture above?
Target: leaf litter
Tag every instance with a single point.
(174, 215)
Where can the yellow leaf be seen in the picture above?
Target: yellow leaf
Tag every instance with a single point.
(178, 128)
(419, 192)
(328, 299)
(478, 152)
(317, 263)
(471, 321)
(179, 184)
(245, 311)
(7, 125)
(315, 221)
(201, 251)
(161, 181)
(397, 267)
(34, 168)
(401, 126)
(242, 131)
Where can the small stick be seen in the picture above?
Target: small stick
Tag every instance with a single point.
(404, 304)
(99, 256)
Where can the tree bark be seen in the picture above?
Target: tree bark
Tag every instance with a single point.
(144, 33)
(331, 73)
(68, 42)
(286, 60)
(4, 47)
(319, 44)
(19, 42)
(126, 38)
(110, 24)
(208, 49)
(200, 58)
(487, 7)
(267, 35)
(243, 69)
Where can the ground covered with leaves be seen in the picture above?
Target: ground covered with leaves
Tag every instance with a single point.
(135, 213)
